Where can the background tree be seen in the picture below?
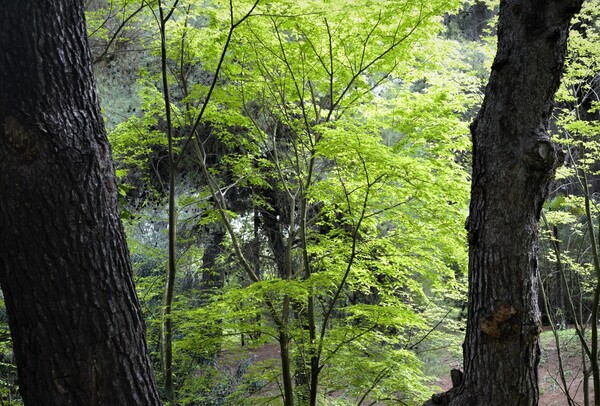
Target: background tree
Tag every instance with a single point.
(328, 152)
(74, 316)
(513, 163)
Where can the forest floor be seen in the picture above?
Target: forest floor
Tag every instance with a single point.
(551, 392)
(439, 363)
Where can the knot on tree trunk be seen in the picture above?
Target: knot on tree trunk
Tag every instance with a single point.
(497, 324)
(20, 138)
(445, 398)
(543, 155)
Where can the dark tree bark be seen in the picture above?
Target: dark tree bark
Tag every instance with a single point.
(513, 163)
(213, 276)
(75, 320)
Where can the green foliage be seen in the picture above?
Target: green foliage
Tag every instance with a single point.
(578, 128)
(8, 371)
(346, 123)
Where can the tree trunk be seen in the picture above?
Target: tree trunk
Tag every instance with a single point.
(513, 162)
(75, 320)
(213, 276)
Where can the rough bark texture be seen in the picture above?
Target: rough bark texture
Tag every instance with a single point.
(74, 316)
(513, 162)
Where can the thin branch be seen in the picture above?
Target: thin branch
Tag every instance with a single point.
(232, 28)
(376, 381)
(118, 31)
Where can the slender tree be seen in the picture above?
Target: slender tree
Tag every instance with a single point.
(513, 163)
(75, 320)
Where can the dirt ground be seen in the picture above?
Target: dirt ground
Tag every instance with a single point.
(551, 392)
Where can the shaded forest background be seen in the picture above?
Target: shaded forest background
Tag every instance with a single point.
(294, 183)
